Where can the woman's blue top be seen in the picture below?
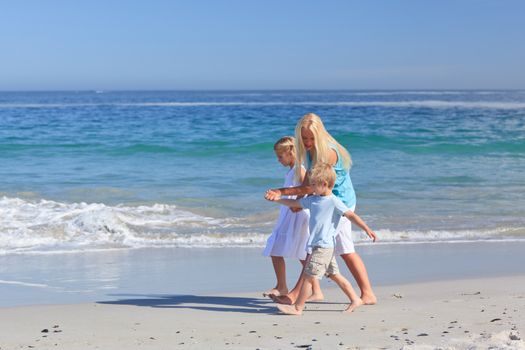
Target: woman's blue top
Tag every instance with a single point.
(343, 188)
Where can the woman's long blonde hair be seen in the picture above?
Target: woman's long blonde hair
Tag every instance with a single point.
(322, 141)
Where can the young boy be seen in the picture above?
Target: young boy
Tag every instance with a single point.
(325, 212)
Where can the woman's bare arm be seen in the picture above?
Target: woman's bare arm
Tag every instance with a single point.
(292, 203)
(303, 190)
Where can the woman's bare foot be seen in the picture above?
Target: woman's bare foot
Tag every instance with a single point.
(316, 297)
(282, 299)
(276, 292)
(289, 310)
(369, 299)
(355, 304)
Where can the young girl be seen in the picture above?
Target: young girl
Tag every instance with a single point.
(289, 237)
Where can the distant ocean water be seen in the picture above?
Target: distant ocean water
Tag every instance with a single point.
(111, 170)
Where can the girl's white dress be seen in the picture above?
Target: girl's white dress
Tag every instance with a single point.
(291, 232)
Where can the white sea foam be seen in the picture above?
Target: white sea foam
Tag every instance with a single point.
(50, 227)
(387, 236)
(25, 284)
(423, 104)
(390, 104)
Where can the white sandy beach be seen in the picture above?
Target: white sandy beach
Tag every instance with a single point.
(457, 314)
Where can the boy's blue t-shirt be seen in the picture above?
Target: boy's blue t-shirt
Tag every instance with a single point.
(325, 213)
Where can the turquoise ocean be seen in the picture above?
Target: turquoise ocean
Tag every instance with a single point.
(107, 195)
(105, 170)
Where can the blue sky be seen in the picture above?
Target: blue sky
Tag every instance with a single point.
(249, 44)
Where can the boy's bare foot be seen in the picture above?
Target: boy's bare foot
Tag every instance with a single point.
(316, 297)
(289, 310)
(276, 292)
(355, 304)
(369, 299)
(282, 299)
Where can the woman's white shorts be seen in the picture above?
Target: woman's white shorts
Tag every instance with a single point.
(344, 244)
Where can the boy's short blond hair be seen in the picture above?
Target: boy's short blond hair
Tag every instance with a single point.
(323, 173)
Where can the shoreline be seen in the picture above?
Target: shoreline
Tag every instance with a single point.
(455, 314)
(90, 277)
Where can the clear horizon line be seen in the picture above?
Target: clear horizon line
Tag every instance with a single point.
(259, 90)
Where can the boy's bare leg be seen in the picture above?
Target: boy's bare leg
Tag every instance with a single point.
(357, 268)
(292, 296)
(317, 293)
(298, 307)
(346, 287)
(279, 267)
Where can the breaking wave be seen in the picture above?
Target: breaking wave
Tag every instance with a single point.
(46, 226)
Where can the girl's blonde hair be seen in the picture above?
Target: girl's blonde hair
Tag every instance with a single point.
(322, 141)
(285, 144)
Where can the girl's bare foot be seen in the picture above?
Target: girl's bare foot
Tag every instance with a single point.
(316, 297)
(355, 304)
(282, 299)
(289, 310)
(276, 292)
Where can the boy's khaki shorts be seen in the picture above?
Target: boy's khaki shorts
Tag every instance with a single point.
(321, 262)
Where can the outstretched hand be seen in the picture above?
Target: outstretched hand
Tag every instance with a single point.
(372, 235)
(272, 195)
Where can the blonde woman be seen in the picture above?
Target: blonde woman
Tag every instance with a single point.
(316, 145)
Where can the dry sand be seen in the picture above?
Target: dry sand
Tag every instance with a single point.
(464, 314)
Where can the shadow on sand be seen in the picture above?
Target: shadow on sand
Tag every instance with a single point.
(196, 302)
